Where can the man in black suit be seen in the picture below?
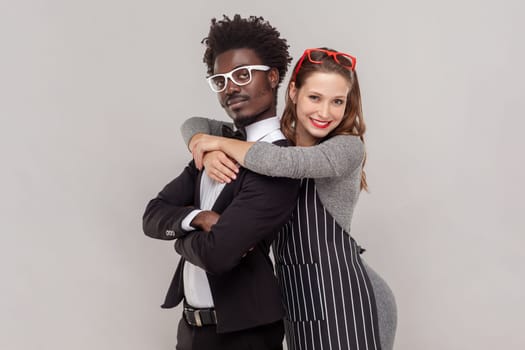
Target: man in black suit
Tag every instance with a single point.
(223, 232)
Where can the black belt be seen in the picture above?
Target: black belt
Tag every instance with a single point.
(199, 317)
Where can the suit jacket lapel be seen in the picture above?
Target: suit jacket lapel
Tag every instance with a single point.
(197, 194)
(226, 195)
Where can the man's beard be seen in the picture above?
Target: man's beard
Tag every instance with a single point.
(242, 121)
(245, 121)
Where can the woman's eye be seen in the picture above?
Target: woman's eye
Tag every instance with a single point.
(313, 97)
(339, 102)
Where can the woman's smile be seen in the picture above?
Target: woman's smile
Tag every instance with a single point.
(321, 124)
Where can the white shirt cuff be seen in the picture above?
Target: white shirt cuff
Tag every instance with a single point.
(185, 224)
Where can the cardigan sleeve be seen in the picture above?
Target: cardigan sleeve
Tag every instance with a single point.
(196, 125)
(337, 156)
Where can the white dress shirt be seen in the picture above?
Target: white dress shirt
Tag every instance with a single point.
(196, 286)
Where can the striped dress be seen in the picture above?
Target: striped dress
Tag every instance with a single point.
(328, 297)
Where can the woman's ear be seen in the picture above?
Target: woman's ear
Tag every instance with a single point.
(292, 92)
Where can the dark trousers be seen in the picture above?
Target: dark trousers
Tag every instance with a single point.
(267, 337)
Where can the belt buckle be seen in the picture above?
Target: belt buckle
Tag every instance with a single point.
(198, 319)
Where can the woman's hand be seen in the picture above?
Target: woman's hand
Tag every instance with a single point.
(202, 143)
(224, 165)
(220, 167)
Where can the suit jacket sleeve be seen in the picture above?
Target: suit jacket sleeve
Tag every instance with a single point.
(256, 214)
(164, 214)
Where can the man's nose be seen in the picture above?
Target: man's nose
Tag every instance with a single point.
(231, 87)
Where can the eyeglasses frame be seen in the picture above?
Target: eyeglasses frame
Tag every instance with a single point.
(229, 75)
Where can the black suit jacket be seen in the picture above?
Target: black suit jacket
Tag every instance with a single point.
(253, 208)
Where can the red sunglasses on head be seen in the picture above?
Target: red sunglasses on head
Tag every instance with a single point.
(317, 56)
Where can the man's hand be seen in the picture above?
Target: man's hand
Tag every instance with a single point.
(205, 220)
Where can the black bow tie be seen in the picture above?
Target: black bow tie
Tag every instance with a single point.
(239, 134)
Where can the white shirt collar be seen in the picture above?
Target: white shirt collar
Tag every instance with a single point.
(258, 130)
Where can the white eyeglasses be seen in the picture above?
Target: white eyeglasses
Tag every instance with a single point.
(240, 76)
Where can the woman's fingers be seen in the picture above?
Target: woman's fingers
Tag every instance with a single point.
(198, 158)
(220, 167)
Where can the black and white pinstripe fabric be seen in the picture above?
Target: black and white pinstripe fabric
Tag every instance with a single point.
(327, 294)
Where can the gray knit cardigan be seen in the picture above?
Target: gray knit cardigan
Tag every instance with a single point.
(335, 164)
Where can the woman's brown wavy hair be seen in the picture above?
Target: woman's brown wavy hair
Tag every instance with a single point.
(352, 123)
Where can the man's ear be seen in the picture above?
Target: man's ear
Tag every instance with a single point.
(292, 92)
(273, 76)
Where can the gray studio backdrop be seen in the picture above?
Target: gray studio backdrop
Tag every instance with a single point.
(92, 95)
